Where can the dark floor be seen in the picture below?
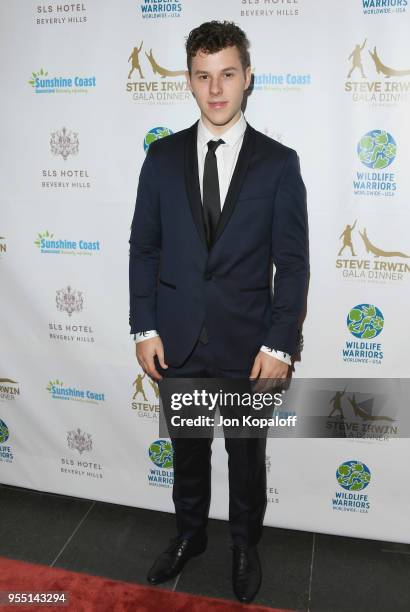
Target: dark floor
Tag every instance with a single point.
(301, 571)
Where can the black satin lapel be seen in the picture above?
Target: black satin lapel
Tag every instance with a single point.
(238, 176)
(192, 181)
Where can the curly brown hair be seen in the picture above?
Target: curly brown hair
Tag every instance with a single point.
(213, 36)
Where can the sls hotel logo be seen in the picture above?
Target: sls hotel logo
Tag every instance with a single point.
(377, 151)
(61, 13)
(64, 146)
(150, 80)
(269, 9)
(376, 77)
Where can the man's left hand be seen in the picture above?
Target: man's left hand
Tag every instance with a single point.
(267, 367)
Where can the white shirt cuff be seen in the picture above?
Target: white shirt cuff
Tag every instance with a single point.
(145, 335)
(285, 357)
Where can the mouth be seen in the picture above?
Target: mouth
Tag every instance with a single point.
(217, 105)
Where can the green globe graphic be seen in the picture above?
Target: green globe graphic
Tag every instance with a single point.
(155, 134)
(161, 454)
(4, 432)
(377, 149)
(365, 321)
(353, 475)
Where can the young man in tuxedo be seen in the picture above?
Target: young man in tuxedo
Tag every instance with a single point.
(217, 203)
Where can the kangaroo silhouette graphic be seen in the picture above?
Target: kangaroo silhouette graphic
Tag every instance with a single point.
(380, 67)
(157, 69)
(371, 248)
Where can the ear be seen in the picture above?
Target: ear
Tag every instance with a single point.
(188, 80)
(248, 77)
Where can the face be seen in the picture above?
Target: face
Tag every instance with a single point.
(218, 82)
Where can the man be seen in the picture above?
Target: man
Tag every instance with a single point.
(217, 203)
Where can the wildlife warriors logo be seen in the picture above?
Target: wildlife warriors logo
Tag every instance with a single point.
(365, 321)
(150, 81)
(4, 432)
(390, 85)
(361, 258)
(376, 150)
(161, 454)
(353, 475)
(155, 133)
(64, 143)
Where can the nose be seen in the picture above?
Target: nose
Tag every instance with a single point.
(215, 87)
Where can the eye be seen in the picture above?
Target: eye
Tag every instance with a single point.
(228, 74)
(203, 77)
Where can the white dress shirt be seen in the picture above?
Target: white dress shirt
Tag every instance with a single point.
(226, 158)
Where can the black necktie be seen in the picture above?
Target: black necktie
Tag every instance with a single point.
(210, 195)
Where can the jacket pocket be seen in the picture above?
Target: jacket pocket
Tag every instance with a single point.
(162, 282)
(255, 288)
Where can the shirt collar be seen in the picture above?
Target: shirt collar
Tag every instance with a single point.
(230, 137)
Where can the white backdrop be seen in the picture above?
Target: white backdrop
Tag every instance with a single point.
(75, 415)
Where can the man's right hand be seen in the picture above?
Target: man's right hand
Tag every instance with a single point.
(146, 351)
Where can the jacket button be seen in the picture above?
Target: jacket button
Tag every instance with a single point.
(208, 276)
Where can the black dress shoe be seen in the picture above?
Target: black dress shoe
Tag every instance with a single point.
(246, 572)
(173, 559)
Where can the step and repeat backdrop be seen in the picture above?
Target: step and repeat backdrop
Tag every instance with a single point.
(86, 87)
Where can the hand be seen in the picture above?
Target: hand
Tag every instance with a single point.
(146, 351)
(267, 367)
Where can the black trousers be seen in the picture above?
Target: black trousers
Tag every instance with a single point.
(192, 465)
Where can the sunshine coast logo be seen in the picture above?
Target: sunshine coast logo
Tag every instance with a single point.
(365, 322)
(167, 86)
(159, 9)
(352, 476)
(383, 7)
(386, 86)
(155, 133)
(270, 8)
(9, 389)
(364, 259)
(376, 150)
(61, 13)
(6, 454)
(145, 399)
(280, 82)
(161, 455)
(44, 83)
(59, 391)
(47, 244)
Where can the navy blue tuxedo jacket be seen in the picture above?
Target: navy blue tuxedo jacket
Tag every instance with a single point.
(177, 282)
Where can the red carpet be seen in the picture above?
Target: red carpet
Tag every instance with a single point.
(94, 594)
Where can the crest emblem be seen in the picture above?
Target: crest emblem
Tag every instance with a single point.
(64, 142)
(69, 300)
(79, 440)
